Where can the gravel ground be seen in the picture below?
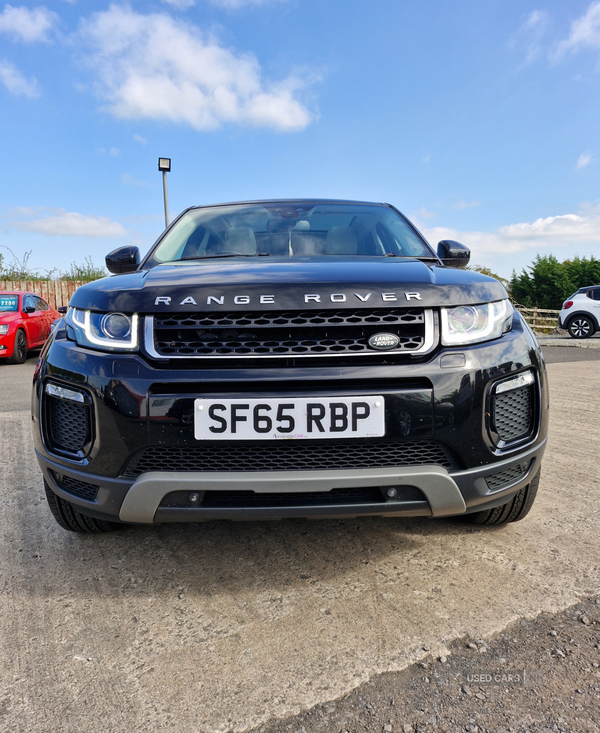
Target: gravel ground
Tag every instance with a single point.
(223, 627)
(558, 354)
(538, 675)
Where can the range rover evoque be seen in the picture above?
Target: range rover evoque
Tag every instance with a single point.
(295, 358)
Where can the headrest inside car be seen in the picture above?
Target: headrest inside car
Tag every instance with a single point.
(240, 239)
(341, 241)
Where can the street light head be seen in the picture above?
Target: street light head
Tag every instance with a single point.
(164, 164)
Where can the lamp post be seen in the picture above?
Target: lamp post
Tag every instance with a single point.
(164, 165)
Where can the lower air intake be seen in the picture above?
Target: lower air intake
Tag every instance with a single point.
(498, 480)
(300, 455)
(76, 487)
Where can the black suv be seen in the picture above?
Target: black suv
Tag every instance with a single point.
(297, 358)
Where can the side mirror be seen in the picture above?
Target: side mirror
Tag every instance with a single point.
(29, 309)
(62, 309)
(453, 254)
(123, 259)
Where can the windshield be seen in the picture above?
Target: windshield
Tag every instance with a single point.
(9, 303)
(290, 229)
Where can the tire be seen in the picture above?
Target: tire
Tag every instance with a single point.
(20, 352)
(516, 509)
(581, 327)
(69, 518)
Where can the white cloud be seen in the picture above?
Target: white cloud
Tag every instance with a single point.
(583, 160)
(131, 181)
(235, 4)
(553, 231)
(585, 33)
(16, 83)
(27, 25)
(113, 152)
(461, 205)
(63, 223)
(155, 67)
(180, 4)
(424, 213)
(529, 37)
(139, 139)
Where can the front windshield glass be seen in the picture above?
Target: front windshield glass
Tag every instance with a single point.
(290, 229)
(9, 303)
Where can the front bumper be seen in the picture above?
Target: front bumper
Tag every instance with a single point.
(136, 405)
(443, 493)
(7, 345)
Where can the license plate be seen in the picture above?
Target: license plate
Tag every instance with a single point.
(294, 418)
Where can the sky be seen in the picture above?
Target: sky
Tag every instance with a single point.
(478, 120)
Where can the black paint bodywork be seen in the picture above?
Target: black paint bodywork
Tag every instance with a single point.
(138, 401)
(448, 404)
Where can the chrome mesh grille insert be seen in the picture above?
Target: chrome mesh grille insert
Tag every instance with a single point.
(298, 455)
(512, 413)
(285, 334)
(68, 424)
(503, 478)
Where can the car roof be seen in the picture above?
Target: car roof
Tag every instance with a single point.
(293, 201)
(585, 288)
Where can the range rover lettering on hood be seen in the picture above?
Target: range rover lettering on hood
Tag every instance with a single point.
(264, 299)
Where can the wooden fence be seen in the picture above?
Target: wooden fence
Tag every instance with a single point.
(541, 320)
(54, 292)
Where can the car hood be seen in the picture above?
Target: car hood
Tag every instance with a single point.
(283, 283)
(9, 317)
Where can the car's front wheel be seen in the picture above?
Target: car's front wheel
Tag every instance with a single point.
(69, 518)
(20, 351)
(581, 327)
(514, 510)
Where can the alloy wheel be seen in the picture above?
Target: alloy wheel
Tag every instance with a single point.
(22, 346)
(580, 328)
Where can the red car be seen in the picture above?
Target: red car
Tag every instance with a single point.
(25, 321)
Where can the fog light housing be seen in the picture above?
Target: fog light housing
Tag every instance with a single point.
(64, 393)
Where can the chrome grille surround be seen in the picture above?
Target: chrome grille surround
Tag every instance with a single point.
(288, 334)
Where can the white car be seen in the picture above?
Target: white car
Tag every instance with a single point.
(580, 313)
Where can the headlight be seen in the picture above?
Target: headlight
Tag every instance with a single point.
(4, 329)
(471, 324)
(106, 331)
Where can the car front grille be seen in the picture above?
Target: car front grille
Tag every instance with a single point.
(301, 455)
(512, 414)
(286, 334)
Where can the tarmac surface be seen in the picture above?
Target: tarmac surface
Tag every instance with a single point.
(222, 627)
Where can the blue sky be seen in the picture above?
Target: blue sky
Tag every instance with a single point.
(479, 120)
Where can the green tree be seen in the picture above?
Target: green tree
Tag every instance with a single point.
(546, 283)
(85, 272)
(486, 271)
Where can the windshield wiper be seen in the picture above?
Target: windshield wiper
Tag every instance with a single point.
(410, 257)
(220, 256)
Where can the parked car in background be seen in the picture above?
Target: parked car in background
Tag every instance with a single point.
(25, 323)
(580, 314)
